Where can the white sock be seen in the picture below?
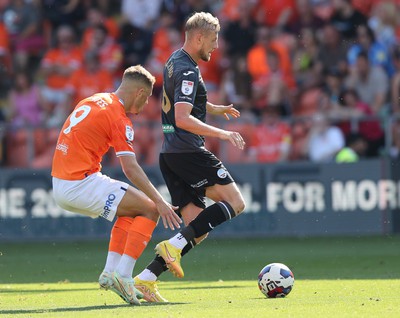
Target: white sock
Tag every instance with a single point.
(125, 266)
(147, 275)
(178, 241)
(112, 261)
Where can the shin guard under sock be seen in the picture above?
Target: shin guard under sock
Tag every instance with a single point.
(208, 219)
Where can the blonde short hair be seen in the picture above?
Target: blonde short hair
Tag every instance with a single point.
(140, 74)
(203, 21)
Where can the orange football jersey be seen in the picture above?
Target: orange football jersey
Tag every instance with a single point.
(269, 140)
(83, 83)
(55, 57)
(96, 124)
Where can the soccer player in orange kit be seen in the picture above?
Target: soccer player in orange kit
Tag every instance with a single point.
(96, 124)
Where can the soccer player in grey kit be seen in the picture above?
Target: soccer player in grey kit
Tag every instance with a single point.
(190, 171)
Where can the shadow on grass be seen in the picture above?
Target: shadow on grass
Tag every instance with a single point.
(11, 290)
(33, 291)
(201, 287)
(78, 309)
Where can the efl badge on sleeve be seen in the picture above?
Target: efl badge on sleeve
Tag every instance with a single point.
(187, 87)
(129, 133)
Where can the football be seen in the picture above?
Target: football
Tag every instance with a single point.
(275, 280)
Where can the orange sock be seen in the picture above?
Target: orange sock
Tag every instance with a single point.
(119, 234)
(139, 235)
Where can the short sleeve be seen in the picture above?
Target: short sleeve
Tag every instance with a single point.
(122, 138)
(186, 82)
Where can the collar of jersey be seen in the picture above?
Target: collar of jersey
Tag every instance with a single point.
(189, 56)
(119, 99)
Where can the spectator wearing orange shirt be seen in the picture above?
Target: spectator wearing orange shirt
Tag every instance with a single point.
(271, 89)
(257, 57)
(89, 79)
(161, 37)
(270, 141)
(5, 58)
(109, 52)
(212, 70)
(166, 39)
(231, 10)
(276, 13)
(56, 67)
(270, 68)
(96, 17)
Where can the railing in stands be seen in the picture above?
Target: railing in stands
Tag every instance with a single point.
(33, 147)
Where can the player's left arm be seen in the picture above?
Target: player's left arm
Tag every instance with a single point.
(226, 111)
(186, 121)
(134, 172)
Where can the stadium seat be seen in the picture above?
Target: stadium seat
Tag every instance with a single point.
(44, 155)
(230, 153)
(16, 148)
(299, 132)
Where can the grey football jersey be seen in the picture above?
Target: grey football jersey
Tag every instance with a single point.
(182, 84)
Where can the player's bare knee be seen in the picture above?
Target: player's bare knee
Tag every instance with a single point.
(150, 214)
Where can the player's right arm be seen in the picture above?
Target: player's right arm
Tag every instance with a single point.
(134, 172)
(185, 89)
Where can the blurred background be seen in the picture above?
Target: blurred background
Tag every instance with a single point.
(317, 83)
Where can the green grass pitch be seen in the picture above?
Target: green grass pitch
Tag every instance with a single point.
(334, 277)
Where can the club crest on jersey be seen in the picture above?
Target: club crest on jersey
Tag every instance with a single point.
(187, 87)
(129, 133)
(222, 173)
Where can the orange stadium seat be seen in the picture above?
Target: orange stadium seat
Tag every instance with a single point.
(230, 153)
(18, 147)
(31, 148)
(44, 156)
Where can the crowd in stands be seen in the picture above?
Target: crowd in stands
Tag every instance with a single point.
(307, 75)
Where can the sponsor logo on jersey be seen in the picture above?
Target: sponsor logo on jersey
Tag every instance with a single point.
(222, 173)
(167, 129)
(62, 147)
(108, 205)
(129, 133)
(188, 73)
(183, 97)
(187, 87)
(199, 184)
